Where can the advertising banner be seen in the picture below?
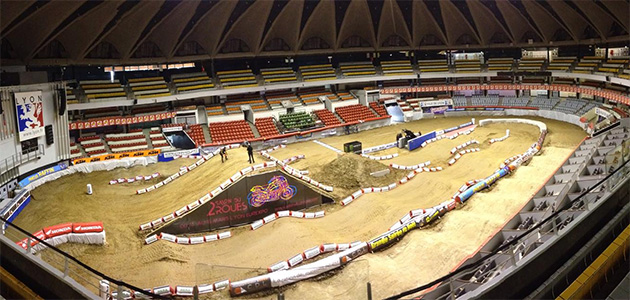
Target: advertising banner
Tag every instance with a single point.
(111, 121)
(24, 182)
(139, 153)
(29, 111)
(250, 199)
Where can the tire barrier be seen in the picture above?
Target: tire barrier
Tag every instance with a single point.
(165, 290)
(295, 172)
(205, 198)
(182, 171)
(501, 139)
(80, 233)
(384, 157)
(286, 213)
(284, 277)
(464, 145)
(414, 167)
(460, 154)
(182, 240)
(310, 254)
(134, 179)
(327, 146)
(513, 165)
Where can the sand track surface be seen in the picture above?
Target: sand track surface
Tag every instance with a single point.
(418, 258)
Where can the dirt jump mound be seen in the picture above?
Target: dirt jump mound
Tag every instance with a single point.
(350, 172)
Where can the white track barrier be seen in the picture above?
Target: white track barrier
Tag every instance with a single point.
(135, 178)
(328, 146)
(464, 145)
(182, 171)
(295, 172)
(460, 154)
(310, 254)
(414, 167)
(384, 157)
(501, 139)
(286, 213)
(182, 240)
(392, 186)
(207, 197)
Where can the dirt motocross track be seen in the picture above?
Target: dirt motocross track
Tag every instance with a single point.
(422, 255)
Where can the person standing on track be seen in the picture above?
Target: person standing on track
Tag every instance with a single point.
(250, 153)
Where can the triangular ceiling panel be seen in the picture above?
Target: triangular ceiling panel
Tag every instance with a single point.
(321, 24)
(249, 27)
(392, 23)
(283, 27)
(166, 34)
(424, 25)
(357, 22)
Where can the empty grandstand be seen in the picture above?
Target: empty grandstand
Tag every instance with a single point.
(297, 121)
(350, 69)
(353, 113)
(237, 78)
(230, 131)
(278, 75)
(317, 72)
(148, 87)
(433, 65)
(192, 82)
(396, 67)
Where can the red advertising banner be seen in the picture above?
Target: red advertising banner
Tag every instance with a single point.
(120, 120)
(608, 94)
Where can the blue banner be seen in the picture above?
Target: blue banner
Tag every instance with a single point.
(416, 142)
(24, 182)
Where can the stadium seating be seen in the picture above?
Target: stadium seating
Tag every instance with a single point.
(611, 66)
(275, 99)
(230, 131)
(327, 117)
(317, 72)
(484, 101)
(148, 87)
(298, 120)
(71, 97)
(396, 67)
(500, 64)
(542, 102)
(196, 134)
(311, 96)
(278, 75)
(561, 64)
(103, 90)
(192, 82)
(587, 64)
(467, 66)
(515, 101)
(460, 101)
(379, 109)
(344, 96)
(570, 105)
(354, 113)
(433, 65)
(233, 103)
(266, 127)
(237, 79)
(215, 110)
(404, 106)
(531, 64)
(354, 69)
(125, 142)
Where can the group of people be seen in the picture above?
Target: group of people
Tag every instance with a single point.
(250, 153)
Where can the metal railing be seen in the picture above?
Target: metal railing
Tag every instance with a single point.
(18, 159)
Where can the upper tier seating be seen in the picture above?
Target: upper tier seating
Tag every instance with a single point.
(158, 141)
(531, 64)
(71, 97)
(221, 132)
(460, 101)
(318, 72)
(125, 142)
(612, 66)
(327, 117)
(352, 69)
(196, 134)
(192, 82)
(148, 87)
(311, 96)
(266, 127)
(379, 109)
(500, 64)
(278, 75)
(467, 66)
(404, 106)
(433, 65)
(588, 64)
(103, 90)
(215, 110)
(233, 104)
(275, 100)
(298, 120)
(561, 64)
(344, 96)
(396, 67)
(354, 113)
(237, 78)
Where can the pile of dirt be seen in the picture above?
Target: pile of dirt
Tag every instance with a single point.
(350, 172)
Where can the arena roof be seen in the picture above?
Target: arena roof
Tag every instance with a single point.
(122, 32)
